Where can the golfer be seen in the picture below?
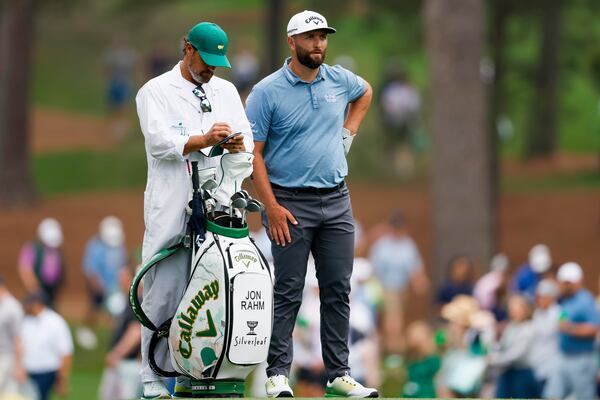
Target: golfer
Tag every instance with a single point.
(299, 121)
(181, 112)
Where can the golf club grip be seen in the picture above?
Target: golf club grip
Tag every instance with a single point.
(195, 179)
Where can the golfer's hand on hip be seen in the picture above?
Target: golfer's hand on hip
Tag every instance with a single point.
(278, 217)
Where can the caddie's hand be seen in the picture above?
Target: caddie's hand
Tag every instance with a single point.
(235, 145)
(278, 217)
(218, 132)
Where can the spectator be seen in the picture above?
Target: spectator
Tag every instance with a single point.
(544, 351)
(105, 255)
(11, 349)
(41, 263)
(48, 347)
(397, 264)
(245, 73)
(513, 353)
(490, 290)
(159, 60)
(423, 361)
(121, 376)
(460, 280)
(465, 340)
(578, 327)
(119, 63)
(527, 276)
(399, 105)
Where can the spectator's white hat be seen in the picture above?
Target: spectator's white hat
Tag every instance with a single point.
(50, 233)
(111, 231)
(539, 258)
(499, 262)
(570, 272)
(307, 21)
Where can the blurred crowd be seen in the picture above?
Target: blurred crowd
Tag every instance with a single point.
(37, 344)
(520, 330)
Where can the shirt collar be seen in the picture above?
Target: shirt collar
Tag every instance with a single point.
(294, 79)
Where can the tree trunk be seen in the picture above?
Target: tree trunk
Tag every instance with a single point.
(541, 140)
(275, 33)
(16, 37)
(463, 214)
(500, 11)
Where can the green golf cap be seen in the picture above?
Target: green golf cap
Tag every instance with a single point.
(211, 42)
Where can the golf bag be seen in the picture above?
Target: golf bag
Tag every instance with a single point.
(222, 327)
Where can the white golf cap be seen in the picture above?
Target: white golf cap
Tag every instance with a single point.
(111, 231)
(547, 287)
(50, 233)
(307, 21)
(539, 258)
(570, 272)
(499, 262)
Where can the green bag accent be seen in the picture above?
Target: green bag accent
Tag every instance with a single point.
(136, 306)
(236, 233)
(220, 388)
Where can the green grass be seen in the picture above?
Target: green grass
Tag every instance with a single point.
(89, 170)
(87, 368)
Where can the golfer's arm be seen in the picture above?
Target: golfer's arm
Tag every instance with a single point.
(358, 109)
(261, 178)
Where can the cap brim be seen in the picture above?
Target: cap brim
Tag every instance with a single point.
(214, 60)
(327, 29)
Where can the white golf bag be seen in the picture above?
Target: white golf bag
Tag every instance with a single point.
(222, 327)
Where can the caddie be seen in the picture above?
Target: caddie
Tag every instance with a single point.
(303, 117)
(181, 112)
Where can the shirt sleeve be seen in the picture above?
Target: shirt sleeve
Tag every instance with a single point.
(64, 341)
(356, 85)
(161, 143)
(259, 112)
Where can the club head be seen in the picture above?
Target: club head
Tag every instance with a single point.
(254, 206)
(209, 185)
(239, 202)
(206, 195)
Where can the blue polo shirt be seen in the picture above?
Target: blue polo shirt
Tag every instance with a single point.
(579, 308)
(301, 124)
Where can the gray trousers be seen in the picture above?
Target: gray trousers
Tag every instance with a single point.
(164, 286)
(575, 376)
(325, 229)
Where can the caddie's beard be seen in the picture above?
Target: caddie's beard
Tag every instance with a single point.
(202, 77)
(304, 56)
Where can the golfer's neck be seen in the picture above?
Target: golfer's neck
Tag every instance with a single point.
(304, 73)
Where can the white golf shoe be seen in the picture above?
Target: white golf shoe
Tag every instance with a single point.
(346, 386)
(155, 390)
(278, 386)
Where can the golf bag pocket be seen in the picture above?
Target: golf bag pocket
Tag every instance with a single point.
(251, 316)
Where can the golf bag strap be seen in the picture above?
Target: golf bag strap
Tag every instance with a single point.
(134, 300)
(161, 332)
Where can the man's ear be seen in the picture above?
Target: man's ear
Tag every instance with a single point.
(291, 43)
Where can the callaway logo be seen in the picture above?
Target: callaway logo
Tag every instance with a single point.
(315, 20)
